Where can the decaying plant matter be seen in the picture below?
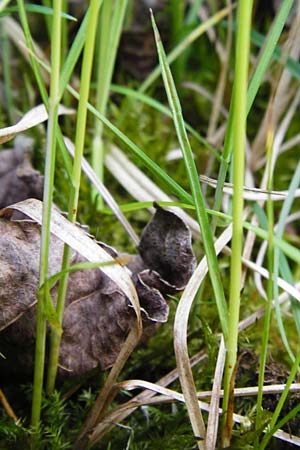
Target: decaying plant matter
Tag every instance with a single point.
(97, 316)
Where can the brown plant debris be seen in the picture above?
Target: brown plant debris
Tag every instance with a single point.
(18, 179)
(97, 315)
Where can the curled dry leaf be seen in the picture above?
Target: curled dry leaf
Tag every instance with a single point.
(34, 117)
(98, 313)
(166, 247)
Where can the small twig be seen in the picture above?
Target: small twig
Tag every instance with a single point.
(7, 407)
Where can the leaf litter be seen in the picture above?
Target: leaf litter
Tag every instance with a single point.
(99, 309)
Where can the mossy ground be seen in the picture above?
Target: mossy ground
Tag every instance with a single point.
(151, 427)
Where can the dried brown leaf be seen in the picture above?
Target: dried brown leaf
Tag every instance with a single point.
(166, 247)
(101, 305)
(18, 179)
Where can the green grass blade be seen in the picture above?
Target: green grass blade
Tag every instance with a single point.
(270, 283)
(177, 8)
(37, 9)
(183, 45)
(291, 64)
(76, 176)
(33, 60)
(286, 207)
(44, 290)
(110, 33)
(287, 275)
(281, 402)
(254, 84)
(291, 414)
(292, 252)
(151, 165)
(239, 123)
(268, 51)
(73, 56)
(3, 4)
(47, 202)
(42, 88)
(7, 75)
(192, 174)
(193, 12)
(146, 99)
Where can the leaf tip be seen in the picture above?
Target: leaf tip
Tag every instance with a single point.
(154, 26)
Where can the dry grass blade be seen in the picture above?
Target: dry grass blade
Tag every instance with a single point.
(213, 416)
(261, 271)
(180, 333)
(7, 407)
(254, 194)
(282, 95)
(148, 397)
(253, 318)
(168, 395)
(141, 384)
(107, 393)
(34, 117)
(252, 391)
(143, 189)
(121, 412)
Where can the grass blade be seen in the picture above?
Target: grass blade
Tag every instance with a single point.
(47, 202)
(255, 82)
(76, 175)
(279, 233)
(164, 110)
(192, 174)
(195, 415)
(179, 49)
(268, 51)
(239, 137)
(110, 31)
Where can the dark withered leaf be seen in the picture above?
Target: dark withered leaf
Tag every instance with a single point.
(165, 247)
(19, 259)
(98, 315)
(96, 322)
(151, 300)
(18, 179)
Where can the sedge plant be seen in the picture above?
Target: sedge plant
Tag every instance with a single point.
(76, 176)
(234, 142)
(47, 203)
(265, 57)
(270, 289)
(109, 30)
(239, 144)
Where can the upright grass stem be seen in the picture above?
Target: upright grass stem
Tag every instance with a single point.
(255, 82)
(239, 139)
(33, 60)
(193, 178)
(47, 202)
(270, 285)
(177, 8)
(76, 176)
(110, 31)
